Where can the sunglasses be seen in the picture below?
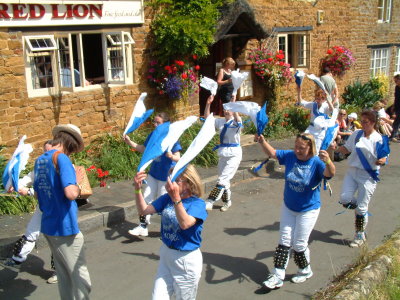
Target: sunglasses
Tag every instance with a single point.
(304, 137)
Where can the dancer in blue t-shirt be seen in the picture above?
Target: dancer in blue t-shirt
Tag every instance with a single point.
(304, 171)
(157, 175)
(182, 216)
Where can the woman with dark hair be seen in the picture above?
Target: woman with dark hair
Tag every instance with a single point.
(182, 216)
(360, 181)
(158, 173)
(304, 171)
(56, 189)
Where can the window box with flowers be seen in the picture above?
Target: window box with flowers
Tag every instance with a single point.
(338, 59)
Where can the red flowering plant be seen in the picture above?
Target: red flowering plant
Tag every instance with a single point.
(338, 59)
(270, 67)
(177, 80)
(100, 174)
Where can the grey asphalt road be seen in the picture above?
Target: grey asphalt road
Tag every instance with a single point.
(238, 246)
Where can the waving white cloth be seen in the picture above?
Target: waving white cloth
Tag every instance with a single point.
(205, 134)
(320, 84)
(209, 84)
(16, 164)
(176, 129)
(139, 115)
(237, 80)
(247, 108)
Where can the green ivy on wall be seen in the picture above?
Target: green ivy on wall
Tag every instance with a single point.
(184, 27)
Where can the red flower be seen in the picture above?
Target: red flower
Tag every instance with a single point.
(103, 183)
(161, 92)
(180, 63)
(106, 173)
(184, 76)
(329, 51)
(91, 168)
(197, 67)
(270, 59)
(194, 56)
(100, 173)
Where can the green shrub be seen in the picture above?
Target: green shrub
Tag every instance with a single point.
(361, 95)
(282, 124)
(10, 204)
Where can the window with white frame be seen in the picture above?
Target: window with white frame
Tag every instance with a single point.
(76, 61)
(384, 10)
(379, 61)
(296, 47)
(397, 63)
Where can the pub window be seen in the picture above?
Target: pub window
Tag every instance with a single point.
(68, 62)
(384, 11)
(397, 63)
(379, 61)
(296, 47)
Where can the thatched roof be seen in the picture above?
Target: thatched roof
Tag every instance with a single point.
(238, 18)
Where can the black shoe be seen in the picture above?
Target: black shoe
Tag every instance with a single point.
(350, 206)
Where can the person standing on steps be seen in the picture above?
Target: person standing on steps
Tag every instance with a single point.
(158, 174)
(304, 172)
(224, 80)
(229, 153)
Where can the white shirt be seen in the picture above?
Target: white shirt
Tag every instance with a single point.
(232, 136)
(367, 146)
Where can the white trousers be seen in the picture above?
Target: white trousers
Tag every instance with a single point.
(154, 189)
(70, 262)
(32, 232)
(358, 181)
(178, 272)
(295, 229)
(227, 167)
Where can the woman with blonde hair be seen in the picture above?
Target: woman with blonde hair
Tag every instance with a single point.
(182, 216)
(304, 171)
(224, 80)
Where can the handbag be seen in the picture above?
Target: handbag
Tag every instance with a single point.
(82, 178)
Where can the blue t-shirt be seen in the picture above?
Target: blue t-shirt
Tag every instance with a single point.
(59, 214)
(171, 233)
(160, 166)
(302, 181)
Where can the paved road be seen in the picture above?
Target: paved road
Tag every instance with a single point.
(238, 247)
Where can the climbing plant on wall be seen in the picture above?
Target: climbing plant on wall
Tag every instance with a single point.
(182, 28)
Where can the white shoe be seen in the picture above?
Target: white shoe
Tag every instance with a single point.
(226, 206)
(359, 239)
(301, 277)
(139, 231)
(273, 282)
(209, 205)
(53, 279)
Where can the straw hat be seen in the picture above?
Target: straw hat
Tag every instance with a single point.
(72, 130)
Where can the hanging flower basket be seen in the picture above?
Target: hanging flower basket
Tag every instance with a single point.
(339, 59)
(270, 67)
(177, 80)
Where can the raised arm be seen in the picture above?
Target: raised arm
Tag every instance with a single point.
(210, 99)
(134, 145)
(267, 148)
(142, 207)
(184, 219)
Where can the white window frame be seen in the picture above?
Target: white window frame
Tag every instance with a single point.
(124, 43)
(384, 11)
(397, 62)
(380, 61)
(300, 48)
(53, 49)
